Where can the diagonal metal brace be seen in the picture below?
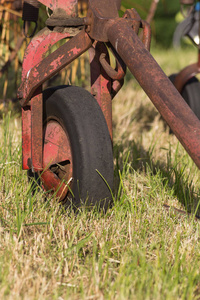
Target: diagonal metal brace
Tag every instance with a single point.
(52, 64)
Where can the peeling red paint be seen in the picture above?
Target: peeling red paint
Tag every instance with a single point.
(38, 47)
(76, 51)
(52, 64)
(58, 62)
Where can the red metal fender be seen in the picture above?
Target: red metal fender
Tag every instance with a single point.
(52, 64)
(186, 74)
(38, 47)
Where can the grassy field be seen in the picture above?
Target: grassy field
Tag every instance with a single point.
(142, 248)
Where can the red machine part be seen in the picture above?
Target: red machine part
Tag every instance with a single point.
(53, 63)
(38, 47)
(33, 79)
(186, 74)
(102, 25)
(69, 7)
(101, 83)
(56, 149)
(32, 114)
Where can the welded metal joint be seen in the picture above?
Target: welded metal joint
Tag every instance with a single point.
(100, 19)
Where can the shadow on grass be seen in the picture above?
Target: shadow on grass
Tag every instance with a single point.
(172, 173)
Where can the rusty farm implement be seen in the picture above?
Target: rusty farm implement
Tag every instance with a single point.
(66, 130)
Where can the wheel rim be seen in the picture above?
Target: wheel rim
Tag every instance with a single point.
(57, 159)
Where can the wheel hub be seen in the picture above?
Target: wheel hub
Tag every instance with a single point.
(57, 159)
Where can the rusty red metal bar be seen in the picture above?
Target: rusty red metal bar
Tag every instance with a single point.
(157, 86)
(32, 133)
(101, 83)
(26, 138)
(37, 130)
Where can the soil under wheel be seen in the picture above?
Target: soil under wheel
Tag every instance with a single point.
(74, 124)
(191, 93)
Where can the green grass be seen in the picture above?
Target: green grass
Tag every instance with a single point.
(139, 249)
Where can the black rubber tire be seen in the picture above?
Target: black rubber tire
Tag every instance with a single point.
(191, 93)
(81, 117)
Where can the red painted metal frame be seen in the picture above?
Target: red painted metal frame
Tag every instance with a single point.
(101, 83)
(35, 53)
(68, 6)
(102, 25)
(26, 138)
(37, 130)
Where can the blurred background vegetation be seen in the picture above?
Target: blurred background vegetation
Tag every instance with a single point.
(11, 51)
